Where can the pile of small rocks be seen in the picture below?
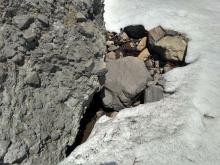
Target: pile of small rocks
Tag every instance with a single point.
(136, 59)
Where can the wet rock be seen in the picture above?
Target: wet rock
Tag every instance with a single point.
(142, 44)
(125, 80)
(172, 48)
(43, 19)
(153, 94)
(135, 31)
(33, 79)
(80, 17)
(23, 21)
(144, 55)
(156, 34)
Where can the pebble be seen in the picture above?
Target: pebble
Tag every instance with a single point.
(113, 48)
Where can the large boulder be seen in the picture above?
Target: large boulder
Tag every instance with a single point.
(172, 48)
(125, 80)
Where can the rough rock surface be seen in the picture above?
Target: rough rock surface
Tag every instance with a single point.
(172, 48)
(46, 59)
(125, 80)
(153, 93)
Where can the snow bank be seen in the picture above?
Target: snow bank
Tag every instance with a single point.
(183, 128)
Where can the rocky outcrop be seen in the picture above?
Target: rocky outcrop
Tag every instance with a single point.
(48, 50)
(125, 80)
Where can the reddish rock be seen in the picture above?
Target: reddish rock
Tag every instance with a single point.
(142, 44)
(144, 55)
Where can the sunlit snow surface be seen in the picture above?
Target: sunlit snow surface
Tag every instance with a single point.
(184, 128)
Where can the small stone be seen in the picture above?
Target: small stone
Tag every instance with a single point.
(100, 68)
(80, 17)
(23, 21)
(18, 59)
(135, 31)
(43, 19)
(89, 65)
(29, 35)
(109, 43)
(144, 55)
(153, 94)
(167, 69)
(157, 64)
(113, 48)
(149, 64)
(171, 48)
(124, 37)
(110, 56)
(156, 34)
(9, 52)
(33, 79)
(142, 44)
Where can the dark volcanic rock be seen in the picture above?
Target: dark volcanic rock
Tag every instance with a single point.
(135, 31)
(46, 79)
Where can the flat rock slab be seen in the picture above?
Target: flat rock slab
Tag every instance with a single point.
(125, 80)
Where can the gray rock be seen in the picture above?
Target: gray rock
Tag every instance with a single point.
(113, 48)
(9, 52)
(80, 17)
(125, 80)
(33, 79)
(43, 19)
(4, 144)
(23, 21)
(172, 48)
(16, 153)
(18, 59)
(30, 35)
(153, 94)
(34, 115)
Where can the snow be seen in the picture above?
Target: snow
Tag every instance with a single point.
(183, 128)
